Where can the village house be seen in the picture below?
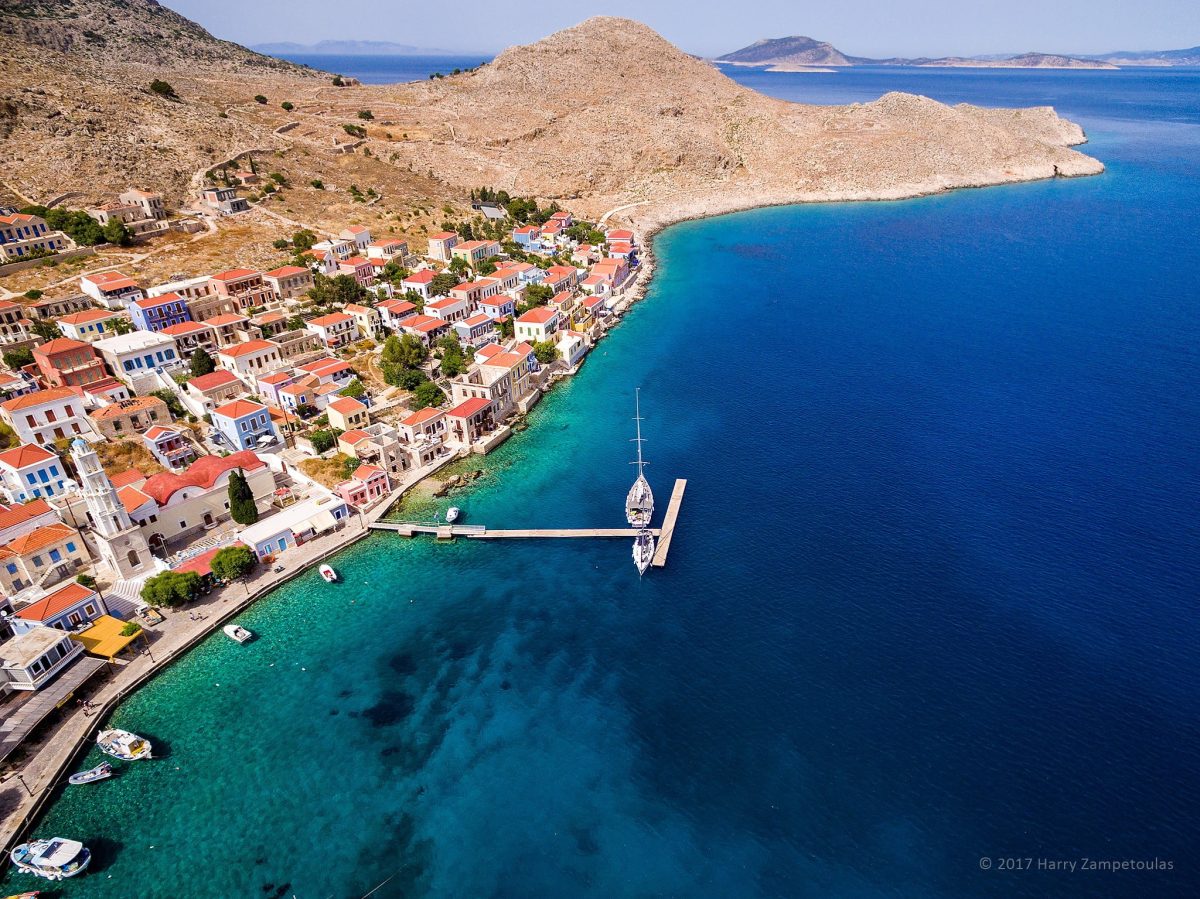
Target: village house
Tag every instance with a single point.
(393, 312)
(138, 353)
(46, 415)
(528, 237)
(295, 525)
(388, 249)
(103, 392)
(537, 325)
(255, 357)
(22, 235)
(614, 271)
(159, 312)
(169, 446)
(596, 285)
(299, 394)
(378, 444)
(572, 346)
(44, 556)
(561, 277)
(473, 292)
(190, 336)
(419, 282)
(448, 309)
(507, 277)
(267, 325)
(131, 416)
(12, 323)
(476, 330)
(619, 235)
(64, 362)
(30, 471)
(90, 326)
(441, 245)
(22, 519)
(223, 200)
(502, 378)
(141, 212)
(329, 370)
(360, 268)
(368, 319)
(359, 235)
(368, 485)
(215, 388)
(48, 308)
(189, 288)
(347, 414)
(244, 424)
(424, 431)
(112, 290)
(246, 286)
(296, 344)
(334, 330)
(269, 386)
(473, 252)
(469, 420)
(426, 328)
(31, 660)
(13, 385)
(68, 608)
(229, 328)
(498, 307)
(290, 281)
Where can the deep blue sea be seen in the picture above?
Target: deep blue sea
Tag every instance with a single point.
(370, 69)
(932, 605)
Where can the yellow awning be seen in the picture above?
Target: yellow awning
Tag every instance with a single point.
(104, 638)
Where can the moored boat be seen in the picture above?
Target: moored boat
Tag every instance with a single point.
(53, 859)
(328, 573)
(100, 772)
(643, 551)
(639, 503)
(237, 633)
(452, 514)
(124, 745)
(32, 895)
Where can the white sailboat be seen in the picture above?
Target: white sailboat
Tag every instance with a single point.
(639, 504)
(643, 551)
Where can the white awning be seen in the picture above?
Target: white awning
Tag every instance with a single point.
(321, 522)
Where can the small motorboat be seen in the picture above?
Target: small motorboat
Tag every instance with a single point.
(452, 514)
(32, 895)
(121, 744)
(53, 859)
(100, 772)
(328, 573)
(643, 551)
(237, 633)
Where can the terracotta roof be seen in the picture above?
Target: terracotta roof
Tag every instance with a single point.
(18, 514)
(25, 454)
(245, 349)
(110, 280)
(354, 436)
(39, 539)
(125, 407)
(62, 345)
(56, 603)
(238, 408)
(226, 318)
(506, 360)
(489, 350)
(39, 397)
(442, 235)
(217, 378)
(421, 416)
(201, 564)
(151, 302)
(234, 274)
(539, 316)
(88, 315)
(159, 431)
(334, 318)
(132, 498)
(479, 319)
(204, 472)
(285, 272)
(424, 276)
(276, 377)
(347, 405)
(364, 472)
(183, 328)
(127, 477)
(467, 408)
(446, 303)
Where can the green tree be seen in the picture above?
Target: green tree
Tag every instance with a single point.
(317, 184)
(295, 323)
(354, 389)
(303, 240)
(427, 394)
(117, 234)
(232, 563)
(337, 81)
(131, 629)
(45, 329)
(85, 580)
(163, 89)
(454, 362)
(406, 351)
(545, 352)
(366, 115)
(241, 499)
(202, 363)
(259, 98)
(538, 295)
(34, 294)
(122, 325)
(171, 588)
(443, 283)
(173, 404)
(287, 107)
(18, 357)
(506, 328)
(337, 291)
(322, 441)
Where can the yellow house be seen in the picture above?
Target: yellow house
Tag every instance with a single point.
(347, 414)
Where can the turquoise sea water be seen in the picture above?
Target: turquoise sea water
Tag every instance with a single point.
(933, 597)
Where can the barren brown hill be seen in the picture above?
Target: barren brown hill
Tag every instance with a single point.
(606, 114)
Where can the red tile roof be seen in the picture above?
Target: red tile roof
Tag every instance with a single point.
(334, 318)
(424, 276)
(467, 408)
(238, 408)
(421, 416)
(538, 316)
(56, 603)
(203, 473)
(234, 274)
(19, 514)
(286, 271)
(62, 345)
(347, 405)
(218, 378)
(126, 478)
(25, 454)
(245, 349)
(38, 397)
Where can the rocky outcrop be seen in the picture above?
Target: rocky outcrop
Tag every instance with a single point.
(783, 52)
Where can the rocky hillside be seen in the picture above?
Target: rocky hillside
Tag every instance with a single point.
(605, 114)
(117, 31)
(787, 51)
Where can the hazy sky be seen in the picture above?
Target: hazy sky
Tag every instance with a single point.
(858, 27)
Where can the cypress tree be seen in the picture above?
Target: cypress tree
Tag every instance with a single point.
(241, 499)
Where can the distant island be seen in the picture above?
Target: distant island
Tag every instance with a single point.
(349, 48)
(800, 53)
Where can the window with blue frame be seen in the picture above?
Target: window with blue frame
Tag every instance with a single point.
(70, 547)
(43, 476)
(37, 562)
(55, 555)
(10, 568)
(53, 471)
(31, 478)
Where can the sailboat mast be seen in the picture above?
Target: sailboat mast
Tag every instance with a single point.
(637, 400)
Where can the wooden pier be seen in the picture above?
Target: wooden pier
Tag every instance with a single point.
(479, 532)
(668, 528)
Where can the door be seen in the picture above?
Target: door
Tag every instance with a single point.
(208, 519)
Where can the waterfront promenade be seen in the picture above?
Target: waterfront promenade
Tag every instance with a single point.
(26, 790)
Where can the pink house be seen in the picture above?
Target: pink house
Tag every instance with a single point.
(367, 486)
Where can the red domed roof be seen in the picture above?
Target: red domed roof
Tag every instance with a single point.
(204, 472)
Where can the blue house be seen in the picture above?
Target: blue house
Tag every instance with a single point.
(156, 313)
(243, 424)
(68, 608)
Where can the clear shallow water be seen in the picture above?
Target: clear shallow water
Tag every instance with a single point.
(933, 596)
(381, 69)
